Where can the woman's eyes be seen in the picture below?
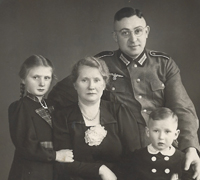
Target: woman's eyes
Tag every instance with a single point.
(95, 80)
(84, 80)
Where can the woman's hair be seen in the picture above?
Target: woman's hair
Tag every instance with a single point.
(91, 62)
(31, 62)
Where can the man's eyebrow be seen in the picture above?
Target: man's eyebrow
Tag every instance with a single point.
(130, 29)
(123, 29)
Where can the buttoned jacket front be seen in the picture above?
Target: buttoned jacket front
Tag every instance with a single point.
(150, 81)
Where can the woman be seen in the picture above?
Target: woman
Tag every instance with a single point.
(97, 131)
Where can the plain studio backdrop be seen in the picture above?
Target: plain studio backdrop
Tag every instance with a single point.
(66, 30)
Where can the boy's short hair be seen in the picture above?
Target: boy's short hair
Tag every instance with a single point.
(163, 113)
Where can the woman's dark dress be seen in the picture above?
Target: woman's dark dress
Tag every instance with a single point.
(69, 132)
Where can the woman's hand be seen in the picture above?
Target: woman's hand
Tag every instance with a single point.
(64, 155)
(106, 173)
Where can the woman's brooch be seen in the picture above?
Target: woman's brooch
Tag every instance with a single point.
(95, 135)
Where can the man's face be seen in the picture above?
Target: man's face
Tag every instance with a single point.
(131, 34)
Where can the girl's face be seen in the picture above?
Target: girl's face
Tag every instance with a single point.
(38, 81)
(162, 133)
(89, 84)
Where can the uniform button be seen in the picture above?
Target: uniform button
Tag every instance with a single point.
(140, 97)
(135, 65)
(145, 110)
(113, 88)
(163, 85)
(167, 171)
(153, 170)
(153, 158)
(166, 158)
(138, 80)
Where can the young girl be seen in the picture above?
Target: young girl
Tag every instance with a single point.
(160, 160)
(31, 124)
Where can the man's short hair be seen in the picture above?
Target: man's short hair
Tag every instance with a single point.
(127, 12)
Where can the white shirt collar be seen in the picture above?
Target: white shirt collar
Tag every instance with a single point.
(166, 152)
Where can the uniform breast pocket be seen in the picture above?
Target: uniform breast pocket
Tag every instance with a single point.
(157, 88)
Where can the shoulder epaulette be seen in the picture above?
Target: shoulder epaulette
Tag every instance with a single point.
(159, 54)
(104, 54)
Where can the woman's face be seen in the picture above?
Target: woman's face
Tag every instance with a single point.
(89, 84)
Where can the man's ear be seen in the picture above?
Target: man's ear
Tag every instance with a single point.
(114, 34)
(147, 131)
(147, 31)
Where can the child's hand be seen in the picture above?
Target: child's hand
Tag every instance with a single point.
(174, 177)
(64, 155)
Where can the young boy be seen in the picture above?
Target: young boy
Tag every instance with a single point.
(160, 160)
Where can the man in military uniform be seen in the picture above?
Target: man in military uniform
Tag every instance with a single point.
(143, 80)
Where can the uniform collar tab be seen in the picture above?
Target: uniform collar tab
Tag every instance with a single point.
(125, 59)
(140, 60)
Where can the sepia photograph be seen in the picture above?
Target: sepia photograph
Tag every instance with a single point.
(100, 89)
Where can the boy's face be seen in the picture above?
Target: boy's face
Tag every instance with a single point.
(162, 132)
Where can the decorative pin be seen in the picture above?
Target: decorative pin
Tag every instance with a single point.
(115, 76)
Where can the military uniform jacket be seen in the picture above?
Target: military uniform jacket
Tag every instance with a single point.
(150, 81)
(31, 133)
